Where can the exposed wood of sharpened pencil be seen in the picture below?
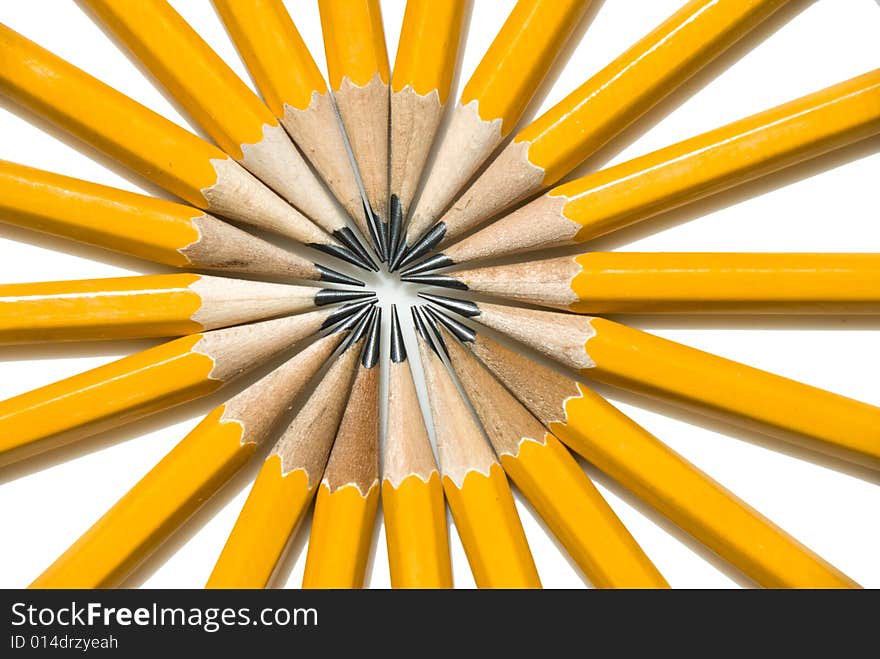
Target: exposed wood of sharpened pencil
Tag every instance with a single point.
(629, 358)
(148, 306)
(568, 133)
(554, 482)
(632, 282)
(636, 190)
(357, 63)
(629, 454)
(286, 484)
(152, 146)
(294, 89)
(412, 492)
(345, 507)
(420, 83)
(216, 98)
(146, 382)
(144, 227)
(190, 474)
(476, 487)
(492, 101)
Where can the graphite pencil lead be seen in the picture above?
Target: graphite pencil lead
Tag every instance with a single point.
(395, 230)
(461, 331)
(424, 244)
(334, 277)
(348, 238)
(327, 296)
(370, 354)
(441, 280)
(358, 333)
(434, 262)
(375, 234)
(430, 338)
(342, 253)
(398, 349)
(346, 312)
(461, 307)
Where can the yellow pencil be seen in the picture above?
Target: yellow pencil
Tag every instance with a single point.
(693, 169)
(357, 63)
(190, 474)
(420, 86)
(476, 487)
(614, 443)
(629, 358)
(491, 103)
(287, 481)
(412, 492)
(345, 507)
(148, 306)
(154, 147)
(146, 382)
(144, 227)
(295, 91)
(631, 282)
(554, 482)
(562, 138)
(226, 109)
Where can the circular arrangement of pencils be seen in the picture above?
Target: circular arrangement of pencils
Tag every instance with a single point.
(358, 171)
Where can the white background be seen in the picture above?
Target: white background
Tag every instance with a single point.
(827, 205)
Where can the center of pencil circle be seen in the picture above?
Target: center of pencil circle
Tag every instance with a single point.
(390, 290)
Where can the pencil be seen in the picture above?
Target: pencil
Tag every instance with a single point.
(476, 486)
(294, 89)
(148, 306)
(632, 282)
(347, 499)
(614, 443)
(567, 134)
(146, 382)
(420, 83)
(144, 141)
(633, 191)
(609, 352)
(145, 227)
(286, 483)
(554, 482)
(187, 477)
(491, 103)
(357, 63)
(223, 106)
(412, 492)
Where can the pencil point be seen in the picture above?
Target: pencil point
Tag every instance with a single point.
(370, 354)
(359, 328)
(462, 307)
(424, 245)
(434, 262)
(395, 230)
(350, 314)
(398, 349)
(375, 228)
(348, 238)
(342, 253)
(459, 330)
(333, 277)
(327, 296)
(420, 322)
(444, 281)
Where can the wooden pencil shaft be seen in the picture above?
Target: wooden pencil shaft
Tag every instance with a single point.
(691, 499)
(144, 306)
(631, 282)
(572, 130)
(633, 191)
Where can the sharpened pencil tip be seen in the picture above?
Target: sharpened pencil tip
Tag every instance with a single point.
(342, 253)
(420, 321)
(395, 229)
(462, 307)
(348, 238)
(459, 330)
(424, 245)
(370, 354)
(398, 349)
(358, 330)
(327, 296)
(333, 277)
(375, 227)
(434, 262)
(350, 314)
(444, 281)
